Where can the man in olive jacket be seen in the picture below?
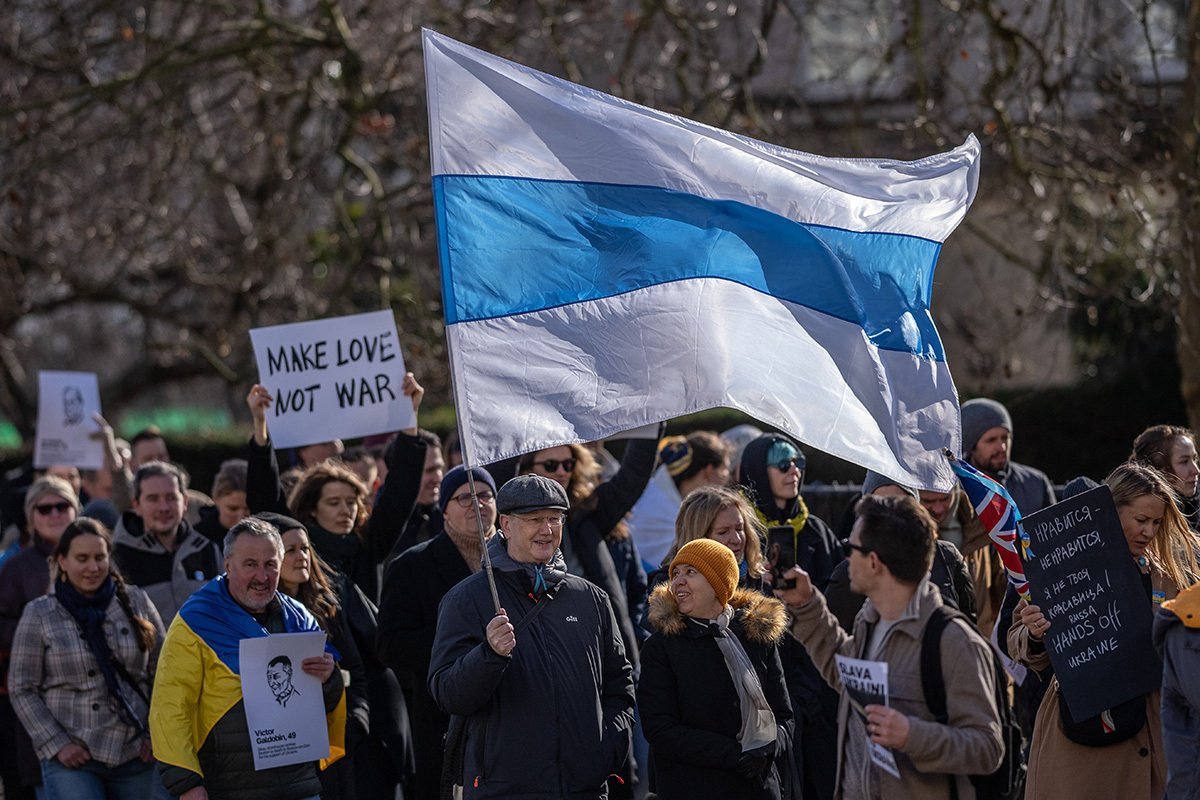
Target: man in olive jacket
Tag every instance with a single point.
(890, 551)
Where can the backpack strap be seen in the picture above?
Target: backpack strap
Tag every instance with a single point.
(933, 683)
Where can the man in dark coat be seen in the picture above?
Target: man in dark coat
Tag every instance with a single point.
(413, 587)
(542, 685)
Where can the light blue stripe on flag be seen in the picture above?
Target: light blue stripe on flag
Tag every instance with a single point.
(607, 265)
(516, 245)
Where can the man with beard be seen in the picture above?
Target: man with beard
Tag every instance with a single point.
(413, 587)
(987, 433)
(155, 547)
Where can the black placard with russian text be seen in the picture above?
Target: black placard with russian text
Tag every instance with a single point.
(1088, 586)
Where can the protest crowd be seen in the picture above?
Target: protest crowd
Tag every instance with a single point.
(674, 623)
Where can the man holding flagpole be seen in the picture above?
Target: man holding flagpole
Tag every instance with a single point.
(542, 689)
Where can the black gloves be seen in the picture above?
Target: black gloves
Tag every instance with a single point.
(754, 764)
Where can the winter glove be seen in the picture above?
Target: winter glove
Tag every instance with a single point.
(754, 764)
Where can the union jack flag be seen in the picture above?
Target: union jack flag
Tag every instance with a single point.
(1001, 518)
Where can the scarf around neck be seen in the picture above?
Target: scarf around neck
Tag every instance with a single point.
(758, 721)
(89, 613)
(337, 550)
(796, 521)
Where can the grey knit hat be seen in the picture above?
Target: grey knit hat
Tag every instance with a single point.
(530, 493)
(978, 417)
(874, 480)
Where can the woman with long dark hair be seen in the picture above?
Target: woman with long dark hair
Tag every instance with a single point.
(1171, 450)
(302, 576)
(81, 672)
(50, 506)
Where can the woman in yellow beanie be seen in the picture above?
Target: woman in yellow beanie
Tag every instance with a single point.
(712, 696)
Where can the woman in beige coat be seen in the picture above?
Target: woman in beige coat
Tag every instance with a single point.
(1164, 550)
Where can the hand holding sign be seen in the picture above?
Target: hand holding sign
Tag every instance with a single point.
(332, 378)
(887, 726)
(259, 401)
(320, 667)
(1033, 619)
(108, 439)
(415, 392)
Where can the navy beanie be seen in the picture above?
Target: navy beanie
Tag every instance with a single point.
(457, 477)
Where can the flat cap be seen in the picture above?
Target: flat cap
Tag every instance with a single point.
(530, 493)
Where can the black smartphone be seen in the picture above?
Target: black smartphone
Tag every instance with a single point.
(781, 555)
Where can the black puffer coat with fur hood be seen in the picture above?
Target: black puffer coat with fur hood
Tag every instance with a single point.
(689, 705)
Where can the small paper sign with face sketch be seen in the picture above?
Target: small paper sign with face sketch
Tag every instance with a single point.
(285, 711)
(67, 403)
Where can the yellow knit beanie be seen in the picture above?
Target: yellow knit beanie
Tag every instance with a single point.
(714, 561)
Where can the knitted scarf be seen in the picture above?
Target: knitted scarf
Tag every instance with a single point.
(796, 522)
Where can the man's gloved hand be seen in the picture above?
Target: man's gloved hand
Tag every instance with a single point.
(754, 764)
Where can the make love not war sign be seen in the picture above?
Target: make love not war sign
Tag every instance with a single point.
(336, 378)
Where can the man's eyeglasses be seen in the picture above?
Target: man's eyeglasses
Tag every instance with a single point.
(464, 500)
(786, 465)
(849, 545)
(554, 522)
(552, 464)
(45, 509)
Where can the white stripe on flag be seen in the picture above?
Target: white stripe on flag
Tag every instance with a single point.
(606, 266)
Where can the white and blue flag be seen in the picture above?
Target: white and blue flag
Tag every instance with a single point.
(606, 266)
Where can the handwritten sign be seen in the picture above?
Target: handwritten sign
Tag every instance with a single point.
(866, 682)
(66, 403)
(1087, 585)
(332, 378)
(285, 711)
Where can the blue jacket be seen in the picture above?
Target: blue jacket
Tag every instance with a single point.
(553, 719)
(1177, 637)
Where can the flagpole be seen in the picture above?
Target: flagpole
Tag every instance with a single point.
(487, 559)
(462, 442)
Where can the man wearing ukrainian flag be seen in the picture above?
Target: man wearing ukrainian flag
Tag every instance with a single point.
(197, 718)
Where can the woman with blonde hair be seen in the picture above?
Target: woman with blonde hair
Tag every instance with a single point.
(725, 516)
(1123, 757)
